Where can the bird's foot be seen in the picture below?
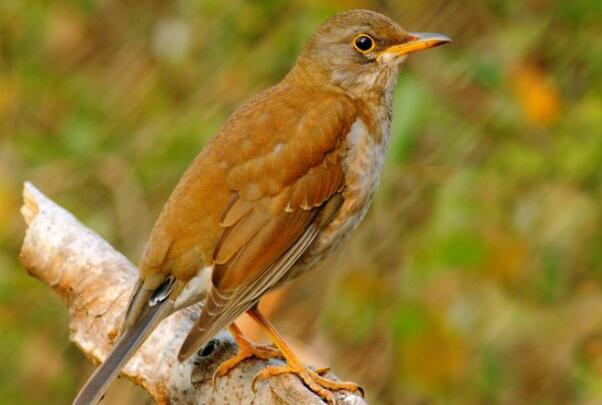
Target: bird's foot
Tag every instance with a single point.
(313, 379)
(246, 350)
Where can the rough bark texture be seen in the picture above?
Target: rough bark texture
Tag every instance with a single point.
(94, 281)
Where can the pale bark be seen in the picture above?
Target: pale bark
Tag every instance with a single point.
(94, 281)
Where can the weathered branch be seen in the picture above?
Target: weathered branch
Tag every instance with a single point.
(94, 281)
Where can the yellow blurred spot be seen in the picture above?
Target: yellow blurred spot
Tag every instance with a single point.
(436, 358)
(67, 37)
(7, 96)
(506, 259)
(536, 94)
(8, 205)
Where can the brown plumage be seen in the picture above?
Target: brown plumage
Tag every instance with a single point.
(289, 174)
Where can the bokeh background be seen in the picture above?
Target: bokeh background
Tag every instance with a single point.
(476, 277)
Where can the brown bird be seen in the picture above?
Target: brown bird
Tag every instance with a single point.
(289, 175)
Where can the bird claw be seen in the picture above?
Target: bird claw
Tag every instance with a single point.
(322, 370)
(246, 350)
(313, 379)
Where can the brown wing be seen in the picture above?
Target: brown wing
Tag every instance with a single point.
(280, 199)
(260, 153)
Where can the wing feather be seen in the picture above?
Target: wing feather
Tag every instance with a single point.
(222, 308)
(235, 212)
(240, 235)
(278, 198)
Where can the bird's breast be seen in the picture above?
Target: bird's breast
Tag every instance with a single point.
(363, 165)
(363, 162)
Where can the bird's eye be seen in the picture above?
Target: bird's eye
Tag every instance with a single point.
(363, 43)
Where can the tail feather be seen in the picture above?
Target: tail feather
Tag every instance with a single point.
(141, 294)
(208, 324)
(123, 350)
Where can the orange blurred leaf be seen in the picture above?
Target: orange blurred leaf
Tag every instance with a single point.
(538, 97)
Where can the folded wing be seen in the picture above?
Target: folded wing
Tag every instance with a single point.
(281, 198)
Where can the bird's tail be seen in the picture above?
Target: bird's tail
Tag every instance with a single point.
(158, 307)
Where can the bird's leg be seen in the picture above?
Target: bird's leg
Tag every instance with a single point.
(312, 378)
(246, 349)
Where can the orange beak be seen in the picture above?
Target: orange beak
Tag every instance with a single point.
(418, 41)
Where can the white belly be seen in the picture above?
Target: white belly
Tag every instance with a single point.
(363, 166)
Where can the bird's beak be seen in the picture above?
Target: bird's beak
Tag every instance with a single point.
(418, 41)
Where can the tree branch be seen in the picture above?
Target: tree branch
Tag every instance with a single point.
(94, 281)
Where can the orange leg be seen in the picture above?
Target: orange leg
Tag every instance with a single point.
(246, 349)
(312, 378)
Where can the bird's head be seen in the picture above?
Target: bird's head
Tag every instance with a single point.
(361, 50)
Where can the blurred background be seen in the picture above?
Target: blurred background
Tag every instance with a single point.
(476, 277)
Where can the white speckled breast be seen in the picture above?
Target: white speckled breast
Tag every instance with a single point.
(363, 165)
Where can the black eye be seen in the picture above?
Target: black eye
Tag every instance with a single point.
(363, 43)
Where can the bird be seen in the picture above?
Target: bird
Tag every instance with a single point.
(289, 175)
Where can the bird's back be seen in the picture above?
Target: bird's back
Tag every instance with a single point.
(263, 148)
